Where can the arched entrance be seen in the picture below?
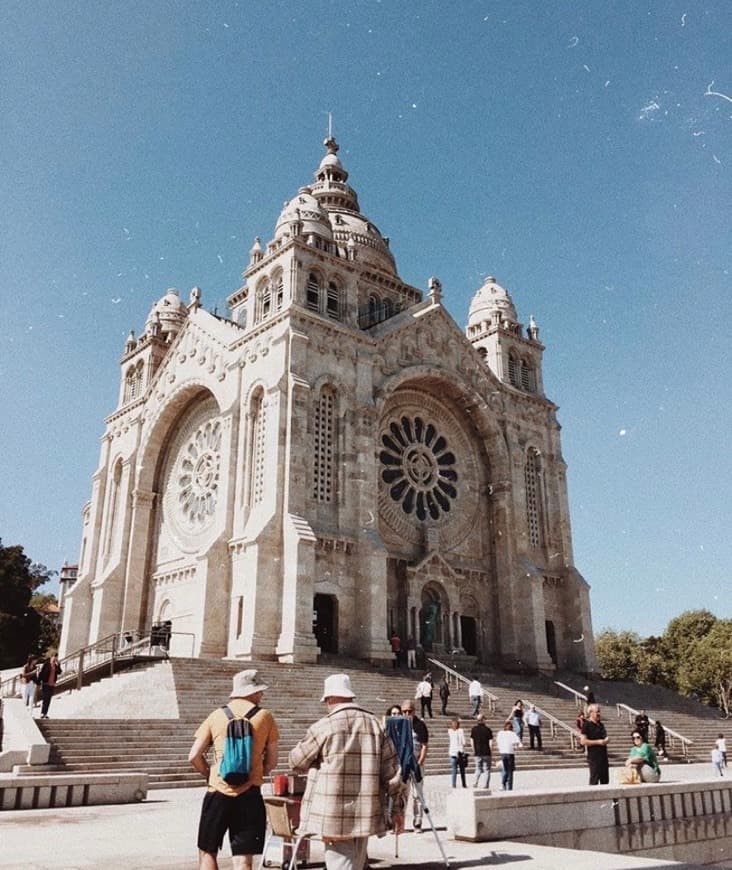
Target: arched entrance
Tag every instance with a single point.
(469, 635)
(431, 619)
(325, 622)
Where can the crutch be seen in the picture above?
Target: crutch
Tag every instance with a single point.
(400, 731)
(426, 810)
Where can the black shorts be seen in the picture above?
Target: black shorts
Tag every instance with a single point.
(242, 816)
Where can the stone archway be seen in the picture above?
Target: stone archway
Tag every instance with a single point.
(433, 614)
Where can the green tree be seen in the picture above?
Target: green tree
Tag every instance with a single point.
(618, 653)
(20, 625)
(653, 663)
(707, 668)
(45, 605)
(681, 634)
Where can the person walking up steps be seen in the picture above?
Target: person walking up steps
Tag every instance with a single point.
(238, 809)
(350, 762)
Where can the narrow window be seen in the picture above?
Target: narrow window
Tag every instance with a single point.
(312, 294)
(279, 293)
(256, 448)
(514, 371)
(533, 496)
(323, 446)
(527, 377)
(333, 302)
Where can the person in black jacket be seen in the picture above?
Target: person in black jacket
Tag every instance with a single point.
(48, 677)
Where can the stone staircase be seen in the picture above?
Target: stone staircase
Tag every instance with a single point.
(160, 746)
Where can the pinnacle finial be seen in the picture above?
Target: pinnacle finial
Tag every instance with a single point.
(331, 144)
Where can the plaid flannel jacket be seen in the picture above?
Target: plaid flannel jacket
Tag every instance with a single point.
(349, 761)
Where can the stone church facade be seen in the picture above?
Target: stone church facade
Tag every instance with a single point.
(335, 460)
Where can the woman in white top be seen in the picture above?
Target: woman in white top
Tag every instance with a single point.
(507, 742)
(458, 756)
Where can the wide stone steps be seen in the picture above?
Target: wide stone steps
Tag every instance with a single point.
(160, 746)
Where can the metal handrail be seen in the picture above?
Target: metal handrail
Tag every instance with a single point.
(580, 699)
(555, 724)
(107, 651)
(632, 713)
(459, 678)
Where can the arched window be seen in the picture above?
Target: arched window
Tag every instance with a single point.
(130, 390)
(312, 292)
(333, 301)
(139, 378)
(279, 293)
(533, 496)
(528, 380)
(514, 370)
(388, 308)
(112, 507)
(373, 307)
(257, 427)
(241, 317)
(324, 439)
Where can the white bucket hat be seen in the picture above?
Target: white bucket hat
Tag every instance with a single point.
(337, 686)
(246, 683)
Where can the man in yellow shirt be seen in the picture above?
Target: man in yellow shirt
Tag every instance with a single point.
(236, 809)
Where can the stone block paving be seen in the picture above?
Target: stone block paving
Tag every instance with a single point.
(161, 833)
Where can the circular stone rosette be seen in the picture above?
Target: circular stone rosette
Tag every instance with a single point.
(427, 470)
(193, 479)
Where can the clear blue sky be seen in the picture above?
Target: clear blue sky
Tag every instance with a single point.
(580, 152)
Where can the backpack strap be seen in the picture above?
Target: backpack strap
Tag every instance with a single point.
(229, 715)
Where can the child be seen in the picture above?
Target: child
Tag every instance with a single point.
(721, 745)
(718, 761)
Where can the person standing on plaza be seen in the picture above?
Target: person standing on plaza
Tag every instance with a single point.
(29, 681)
(350, 762)
(533, 720)
(238, 809)
(456, 751)
(444, 695)
(411, 652)
(718, 760)
(594, 738)
(475, 693)
(424, 695)
(48, 677)
(481, 741)
(420, 741)
(507, 742)
(721, 745)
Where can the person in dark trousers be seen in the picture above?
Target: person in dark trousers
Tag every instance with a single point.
(481, 740)
(444, 696)
(594, 738)
(642, 725)
(660, 739)
(48, 677)
(238, 809)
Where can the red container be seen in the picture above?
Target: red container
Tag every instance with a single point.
(279, 784)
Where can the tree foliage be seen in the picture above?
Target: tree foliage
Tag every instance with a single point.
(618, 652)
(693, 656)
(20, 624)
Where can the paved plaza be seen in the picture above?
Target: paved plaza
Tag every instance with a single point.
(161, 833)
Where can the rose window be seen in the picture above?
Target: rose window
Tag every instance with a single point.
(198, 476)
(419, 468)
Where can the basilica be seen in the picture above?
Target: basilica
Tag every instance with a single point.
(333, 461)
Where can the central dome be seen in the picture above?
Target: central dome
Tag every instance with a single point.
(329, 209)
